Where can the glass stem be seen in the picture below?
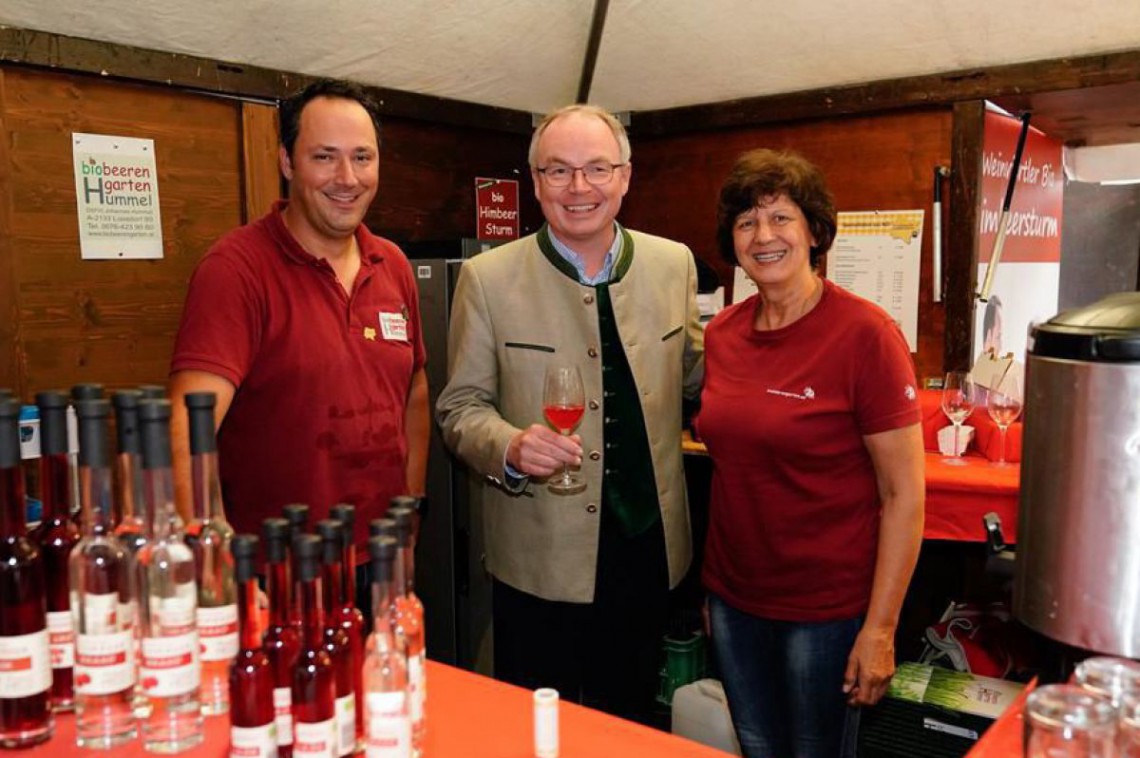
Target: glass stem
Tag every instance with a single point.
(957, 426)
(1001, 451)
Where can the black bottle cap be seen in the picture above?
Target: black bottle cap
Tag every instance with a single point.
(86, 392)
(297, 514)
(404, 518)
(9, 432)
(307, 548)
(152, 391)
(382, 551)
(200, 407)
(154, 421)
(275, 532)
(345, 513)
(53, 422)
(382, 527)
(244, 548)
(332, 542)
(404, 501)
(126, 404)
(93, 447)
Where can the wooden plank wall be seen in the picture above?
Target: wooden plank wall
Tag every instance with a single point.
(883, 162)
(64, 320)
(105, 321)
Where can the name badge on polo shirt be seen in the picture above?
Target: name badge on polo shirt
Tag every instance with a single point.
(394, 326)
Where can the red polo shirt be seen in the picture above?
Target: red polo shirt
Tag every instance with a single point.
(322, 377)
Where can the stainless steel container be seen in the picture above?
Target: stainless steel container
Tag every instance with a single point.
(1078, 553)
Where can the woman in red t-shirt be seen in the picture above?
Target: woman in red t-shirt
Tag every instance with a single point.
(810, 415)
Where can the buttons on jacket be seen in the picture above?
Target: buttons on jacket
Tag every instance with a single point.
(592, 508)
(594, 405)
(588, 299)
(592, 352)
(595, 455)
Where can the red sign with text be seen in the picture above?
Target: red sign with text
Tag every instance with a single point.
(1033, 232)
(496, 209)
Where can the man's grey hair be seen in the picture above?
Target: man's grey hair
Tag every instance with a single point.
(587, 110)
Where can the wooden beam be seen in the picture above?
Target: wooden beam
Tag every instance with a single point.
(56, 51)
(961, 260)
(597, 25)
(893, 94)
(261, 179)
(12, 363)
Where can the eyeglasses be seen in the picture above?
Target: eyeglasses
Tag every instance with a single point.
(595, 174)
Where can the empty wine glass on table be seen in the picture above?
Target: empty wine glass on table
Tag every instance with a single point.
(958, 398)
(563, 402)
(1004, 406)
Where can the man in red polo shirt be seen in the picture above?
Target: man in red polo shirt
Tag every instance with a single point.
(306, 327)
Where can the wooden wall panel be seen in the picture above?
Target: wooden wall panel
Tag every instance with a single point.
(262, 177)
(427, 179)
(11, 375)
(871, 162)
(107, 321)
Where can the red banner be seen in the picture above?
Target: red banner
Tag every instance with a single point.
(496, 209)
(1033, 232)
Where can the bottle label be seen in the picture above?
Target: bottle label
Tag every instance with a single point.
(416, 675)
(169, 665)
(100, 613)
(103, 663)
(314, 740)
(176, 615)
(25, 665)
(346, 724)
(218, 632)
(283, 714)
(253, 742)
(389, 728)
(61, 638)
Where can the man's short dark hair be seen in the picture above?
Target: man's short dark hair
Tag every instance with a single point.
(292, 106)
(761, 174)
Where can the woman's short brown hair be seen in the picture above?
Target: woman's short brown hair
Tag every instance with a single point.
(762, 173)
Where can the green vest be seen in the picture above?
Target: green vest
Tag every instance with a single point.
(629, 489)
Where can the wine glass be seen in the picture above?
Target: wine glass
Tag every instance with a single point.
(1004, 406)
(958, 398)
(563, 401)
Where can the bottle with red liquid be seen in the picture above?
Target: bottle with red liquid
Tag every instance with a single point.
(169, 669)
(410, 612)
(56, 535)
(297, 515)
(209, 535)
(253, 727)
(336, 639)
(314, 679)
(385, 669)
(25, 658)
(348, 615)
(282, 640)
(101, 597)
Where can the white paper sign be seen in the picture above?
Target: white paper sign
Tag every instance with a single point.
(877, 255)
(116, 193)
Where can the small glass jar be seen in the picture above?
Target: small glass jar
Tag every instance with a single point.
(1066, 721)
(1108, 676)
(1128, 725)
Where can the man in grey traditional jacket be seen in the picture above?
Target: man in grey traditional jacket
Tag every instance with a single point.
(581, 580)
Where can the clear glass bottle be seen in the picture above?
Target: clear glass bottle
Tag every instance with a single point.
(130, 518)
(411, 615)
(253, 728)
(336, 638)
(389, 725)
(314, 680)
(282, 640)
(86, 391)
(348, 615)
(56, 535)
(169, 668)
(101, 593)
(25, 659)
(208, 534)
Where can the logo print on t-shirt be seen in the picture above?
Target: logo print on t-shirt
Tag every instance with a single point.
(910, 393)
(807, 394)
(369, 334)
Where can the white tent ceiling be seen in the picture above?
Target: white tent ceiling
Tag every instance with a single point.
(528, 54)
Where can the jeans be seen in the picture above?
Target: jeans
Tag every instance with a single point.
(784, 683)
